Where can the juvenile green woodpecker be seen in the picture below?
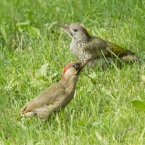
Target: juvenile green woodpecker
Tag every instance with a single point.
(84, 46)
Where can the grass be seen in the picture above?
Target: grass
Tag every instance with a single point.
(33, 52)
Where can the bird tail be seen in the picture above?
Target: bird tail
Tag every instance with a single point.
(124, 55)
(130, 58)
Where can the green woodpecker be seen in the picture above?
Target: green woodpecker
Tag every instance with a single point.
(85, 46)
(57, 96)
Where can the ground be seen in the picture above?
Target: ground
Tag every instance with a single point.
(108, 107)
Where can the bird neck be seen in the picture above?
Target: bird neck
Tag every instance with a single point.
(84, 39)
(78, 41)
(70, 82)
(71, 85)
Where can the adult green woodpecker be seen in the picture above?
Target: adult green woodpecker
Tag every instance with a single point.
(57, 96)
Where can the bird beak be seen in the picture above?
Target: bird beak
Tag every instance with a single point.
(83, 64)
(65, 27)
(88, 60)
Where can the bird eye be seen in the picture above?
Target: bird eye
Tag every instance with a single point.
(75, 30)
(76, 65)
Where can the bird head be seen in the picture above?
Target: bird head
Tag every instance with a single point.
(73, 69)
(76, 32)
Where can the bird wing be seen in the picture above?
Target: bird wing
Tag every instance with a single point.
(96, 43)
(108, 49)
(46, 111)
(46, 97)
(99, 47)
(115, 49)
(95, 46)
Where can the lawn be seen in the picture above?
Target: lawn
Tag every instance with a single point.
(108, 107)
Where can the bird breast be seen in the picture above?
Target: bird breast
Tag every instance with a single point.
(79, 51)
